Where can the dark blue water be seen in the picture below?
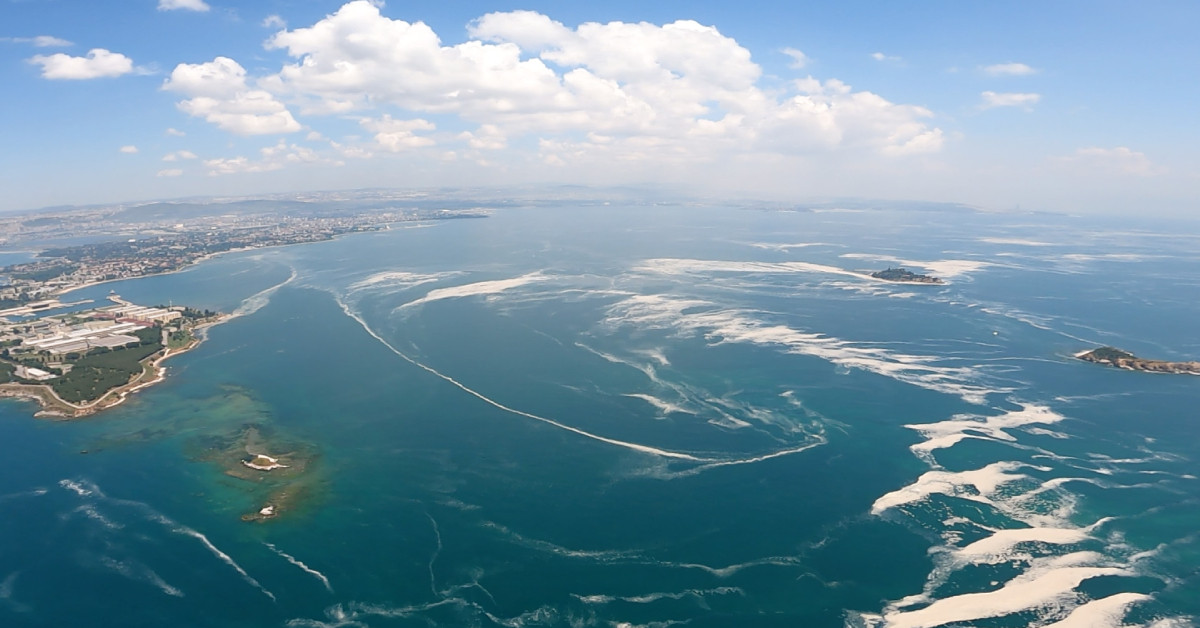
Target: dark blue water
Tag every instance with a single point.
(639, 417)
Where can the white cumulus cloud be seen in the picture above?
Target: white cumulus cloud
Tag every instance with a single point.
(219, 94)
(274, 157)
(129, 150)
(399, 135)
(799, 59)
(99, 63)
(172, 172)
(994, 99)
(49, 41)
(178, 155)
(187, 5)
(636, 91)
(41, 41)
(1008, 69)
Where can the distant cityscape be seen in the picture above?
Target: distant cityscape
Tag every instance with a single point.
(82, 246)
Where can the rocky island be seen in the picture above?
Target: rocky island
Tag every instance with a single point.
(1125, 360)
(901, 275)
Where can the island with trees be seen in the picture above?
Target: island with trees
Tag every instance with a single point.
(901, 275)
(1111, 356)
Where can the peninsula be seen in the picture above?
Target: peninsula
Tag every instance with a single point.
(901, 275)
(1125, 360)
(79, 363)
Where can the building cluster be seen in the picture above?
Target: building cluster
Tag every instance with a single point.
(69, 268)
(57, 336)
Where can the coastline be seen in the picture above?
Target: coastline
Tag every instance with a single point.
(903, 282)
(55, 407)
(198, 260)
(208, 256)
(1109, 356)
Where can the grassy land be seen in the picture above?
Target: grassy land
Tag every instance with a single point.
(180, 339)
(94, 375)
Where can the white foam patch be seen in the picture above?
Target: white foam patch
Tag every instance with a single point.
(37, 492)
(701, 404)
(872, 289)
(224, 558)
(437, 551)
(754, 459)
(999, 546)
(603, 556)
(1103, 613)
(725, 572)
(6, 594)
(259, 300)
(647, 369)
(950, 268)
(1016, 241)
(481, 288)
(1039, 431)
(657, 354)
(399, 280)
(87, 488)
(943, 269)
(676, 266)
(664, 407)
(90, 512)
(984, 481)
(1048, 584)
(650, 598)
(82, 488)
(784, 247)
(1114, 257)
(734, 326)
(1037, 322)
(136, 571)
(305, 568)
(612, 441)
(352, 614)
(948, 433)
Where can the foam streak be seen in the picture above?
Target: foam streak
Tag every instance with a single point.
(224, 558)
(305, 568)
(611, 441)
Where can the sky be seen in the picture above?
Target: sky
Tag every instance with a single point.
(1078, 107)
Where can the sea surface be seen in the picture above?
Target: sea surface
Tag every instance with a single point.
(641, 416)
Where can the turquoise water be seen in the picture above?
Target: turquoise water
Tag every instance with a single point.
(643, 417)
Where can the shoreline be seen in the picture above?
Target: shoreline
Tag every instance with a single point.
(198, 260)
(55, 407)
(209, 256)
(904, 282)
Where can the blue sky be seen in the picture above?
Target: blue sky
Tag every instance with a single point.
(1065, 106)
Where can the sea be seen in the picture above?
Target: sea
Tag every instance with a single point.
(635, 415)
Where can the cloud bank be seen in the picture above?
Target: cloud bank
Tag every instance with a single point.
(680, 92)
